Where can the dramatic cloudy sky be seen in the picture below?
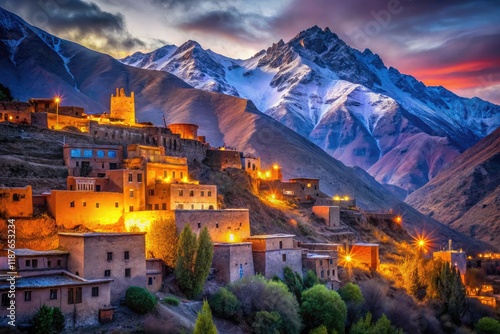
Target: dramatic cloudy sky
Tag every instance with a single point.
(454, 43)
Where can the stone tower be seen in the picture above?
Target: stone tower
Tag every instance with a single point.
(123, 106)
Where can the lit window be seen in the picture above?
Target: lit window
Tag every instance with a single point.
(308, 185)
(75, 153)
(100, 153)
(111, 154)
(87, 153)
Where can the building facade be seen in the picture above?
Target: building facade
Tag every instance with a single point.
(232, 261)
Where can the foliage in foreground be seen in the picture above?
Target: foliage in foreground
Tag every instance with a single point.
(204, 322)
(161, 241)
(382, 326)
(487, 325)
(48, 320)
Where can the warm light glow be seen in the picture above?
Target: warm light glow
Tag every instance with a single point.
(346, 198)
(398, 219)
(273, 196)
(10, 117)
(275, 166)
(57, 99)
(336, 198)
(348, 258)
(231, 237)
(421, 243)
(137, 225)
(268, 174)
(185, 179)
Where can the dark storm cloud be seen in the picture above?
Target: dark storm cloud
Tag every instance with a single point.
(77, 20)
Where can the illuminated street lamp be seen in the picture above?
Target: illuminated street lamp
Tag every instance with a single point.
(57, 100)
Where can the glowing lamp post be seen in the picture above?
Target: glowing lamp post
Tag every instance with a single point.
(231, 237)
(57, 100)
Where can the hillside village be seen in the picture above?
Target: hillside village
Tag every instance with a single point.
(114, 193)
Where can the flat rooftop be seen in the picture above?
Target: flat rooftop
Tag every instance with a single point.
(317, 256)
(229, 244)
(365, 244)
(271, 236)
(47, 281)
(318, 244)
(102, 234)
(31, 252)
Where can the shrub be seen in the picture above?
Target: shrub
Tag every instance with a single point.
(139, 300)
(383, 325)
(171, 301)
(225, 304)
(256, 294)
(351, 293)
(293, 281)
(321, 306)
(310, 279)
(48, 320)
(266, 323)
(161, 240)
(204, 322)
(487, 325)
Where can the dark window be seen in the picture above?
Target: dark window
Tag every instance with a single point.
(164, 206)
(283, 257)
(202, 193)
(157, 206)
(217, 225)
(281, 244)
(139, 178)
(27, 296)
(34, 263)
(53, 293)
(77, 164)
(180, 206)
(328, 273)
(209, 193)
(131, 192)
(151, 192)
(72, 204)
(131, 208)
(84, 204)
(110, 256)
(78, 295)
(15, 197)
(149, 206)
(98, 187)
(95, 291)
(97, 205)
(331, 261)
(58, 263)
(181, 192)
(116, 204)
(48, 264)
(173, 175)
(210, 207)
(130, 177)
(150, 282)
(107, 273)
(5, 299)
(127, 272)
(199, 225)
(113, 165)
(126, 255)
(191, 193)
(322, 274)
(71, 187)
(320, 262)
(28, 263)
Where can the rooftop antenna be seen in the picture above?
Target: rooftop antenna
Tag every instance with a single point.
(450, 248)
(164, 121)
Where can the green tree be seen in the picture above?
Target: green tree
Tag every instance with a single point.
(293, 282)
(457, 302)
(266, 323)
(487, 325)
(319, 330)
(161, 241)
(203, 260)
(58, 322)
(204, 322)
(255, 294)
(139, 300)
(351, 293)
(225, 304)
(194, 258)
(321, 306)
(382, 326)
(5, 94)
(310, 280)
(415, 285)
(184, 267)
(42, 320)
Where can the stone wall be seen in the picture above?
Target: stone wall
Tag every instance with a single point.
(367, 254)
(220, 223)
(271, 263)
(122, 106)
(222, 159)
(232, 261)
(331, 214)
(16, 202)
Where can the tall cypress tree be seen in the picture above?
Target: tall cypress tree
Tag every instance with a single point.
(457, 306)
(204, 323)
(186, 253)
(203, 261)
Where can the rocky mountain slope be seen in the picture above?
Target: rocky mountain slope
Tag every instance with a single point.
(35, 63)
(466, 194)
(345, 101)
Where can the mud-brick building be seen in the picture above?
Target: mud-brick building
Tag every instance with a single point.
(43, 279)
(92, 160)
(273, 252)
(154, 274)
(367, 254)
(232, 261)
(222, 158)
(117, 256)
(16, 202)
(322, 258)
(231, 225)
